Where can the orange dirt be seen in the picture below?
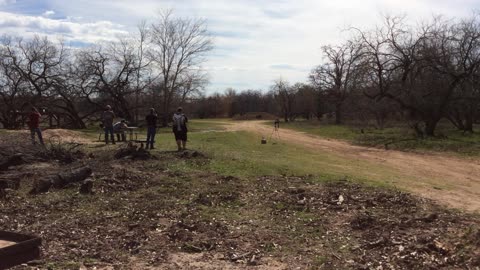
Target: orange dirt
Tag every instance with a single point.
(446, 179)
(61, 135)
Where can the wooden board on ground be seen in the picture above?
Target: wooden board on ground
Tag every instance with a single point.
(4, 243)
(16, 249)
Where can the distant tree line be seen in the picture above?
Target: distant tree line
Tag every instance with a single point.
(158, 66)
(419, 74)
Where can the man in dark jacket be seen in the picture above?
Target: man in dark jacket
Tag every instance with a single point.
(151, 119)
(107, 119)
(34, 125)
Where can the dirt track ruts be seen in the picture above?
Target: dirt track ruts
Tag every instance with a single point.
(443, 178)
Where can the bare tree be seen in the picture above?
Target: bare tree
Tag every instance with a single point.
(420, 68)
(13, 87)
(306, 101)
(107, 75)
(144, 77)
(284, 94)
(178, 48)
(339, 75)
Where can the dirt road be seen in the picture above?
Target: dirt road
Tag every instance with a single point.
(448, 180)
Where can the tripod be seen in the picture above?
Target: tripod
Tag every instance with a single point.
(275, 134)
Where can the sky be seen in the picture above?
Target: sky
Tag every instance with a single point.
(255, 41)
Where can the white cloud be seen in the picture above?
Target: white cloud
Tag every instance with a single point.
(7, 2)
(23, 25)
(48, 13)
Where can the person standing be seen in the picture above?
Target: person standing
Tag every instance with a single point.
(180, 128)
(276, 124)
(34, 125)
(107, 119)
(151, 119)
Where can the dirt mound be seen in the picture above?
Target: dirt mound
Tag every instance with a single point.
(62, 152)
(255, 116)
(66, 135)
(55, 136)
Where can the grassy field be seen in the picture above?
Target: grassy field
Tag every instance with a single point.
(401, 138)
(241, 154)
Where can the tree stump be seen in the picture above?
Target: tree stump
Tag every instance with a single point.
(60, 180)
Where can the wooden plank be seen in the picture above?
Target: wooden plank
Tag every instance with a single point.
(16, 249)
(4, 243)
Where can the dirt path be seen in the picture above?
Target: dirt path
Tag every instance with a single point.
(448, 180)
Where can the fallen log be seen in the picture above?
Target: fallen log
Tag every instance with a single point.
(14, 160)
(60, 180)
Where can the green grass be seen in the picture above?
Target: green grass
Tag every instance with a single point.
(205, 125)
(400, 137)
(241, 154)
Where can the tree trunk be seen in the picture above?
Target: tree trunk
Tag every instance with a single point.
(468, 123)
(78, 122)
(380, 118)
(456, 119)
(430, 126)
(164, 119)
(338, 114)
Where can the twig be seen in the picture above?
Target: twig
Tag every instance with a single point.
(241, 256)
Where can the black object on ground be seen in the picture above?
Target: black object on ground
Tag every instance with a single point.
(21, 249)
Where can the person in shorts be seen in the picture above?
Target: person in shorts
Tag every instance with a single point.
(180, 129)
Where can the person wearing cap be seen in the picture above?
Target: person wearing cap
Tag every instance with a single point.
(107, 119)
(151, 120)
(34, 125)
(180, 128)
(119, 128)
